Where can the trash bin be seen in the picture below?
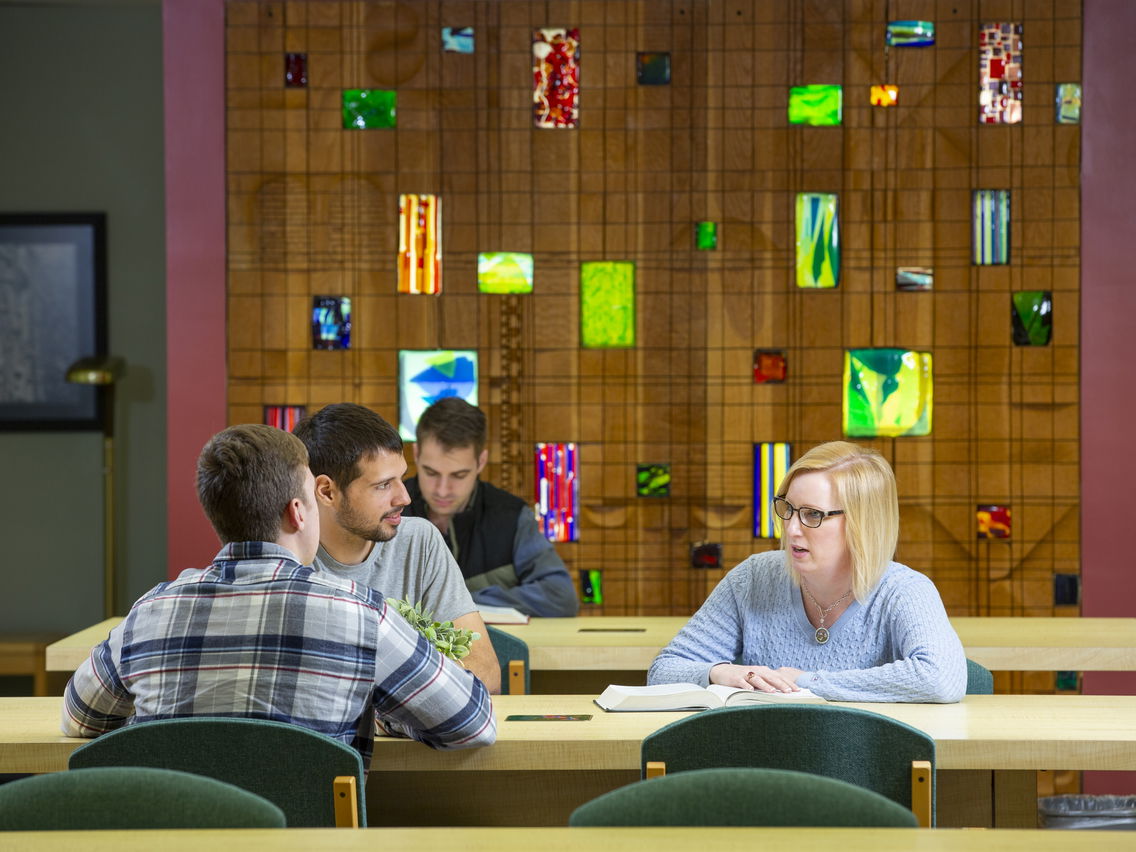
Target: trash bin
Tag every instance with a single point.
(1073, 811)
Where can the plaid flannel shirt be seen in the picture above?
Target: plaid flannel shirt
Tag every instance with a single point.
(259, 635)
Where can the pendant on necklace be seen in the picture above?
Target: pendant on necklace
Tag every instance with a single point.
(821, 635)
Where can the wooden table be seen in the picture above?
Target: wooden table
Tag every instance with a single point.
(574, 840)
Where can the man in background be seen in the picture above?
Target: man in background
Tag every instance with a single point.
(493, 534)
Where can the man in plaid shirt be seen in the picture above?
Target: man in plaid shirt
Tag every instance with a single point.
(258, 634)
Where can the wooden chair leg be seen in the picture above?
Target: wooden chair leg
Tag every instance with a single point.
(656, 768)
(346, 794)
(516, 677)
(921, 792)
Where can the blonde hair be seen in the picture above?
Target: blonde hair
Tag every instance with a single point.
(864, 485)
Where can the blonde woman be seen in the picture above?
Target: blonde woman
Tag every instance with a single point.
(830, 611)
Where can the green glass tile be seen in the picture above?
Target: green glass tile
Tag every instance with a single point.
(607, 304)
(1068, 103)
(504, 272)
(591, 586)
(1066, 681)
(818, 240)
(653, 480)
(818, 105)
(368, 109)
(1032, 317)
(706, 236)
(887, 393)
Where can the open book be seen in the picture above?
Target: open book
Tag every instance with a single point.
(501, 615)
(690, 696)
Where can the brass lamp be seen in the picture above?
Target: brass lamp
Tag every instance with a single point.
(102, 372)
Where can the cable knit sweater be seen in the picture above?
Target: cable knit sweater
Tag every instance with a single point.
(897, 645)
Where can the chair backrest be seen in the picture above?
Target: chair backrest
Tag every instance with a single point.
(130, 797)
(510, 648)
(861, 748)
(766, 797)
(979, 681)
(291, 766)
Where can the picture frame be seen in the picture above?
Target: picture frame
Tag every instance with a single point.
(53, 297)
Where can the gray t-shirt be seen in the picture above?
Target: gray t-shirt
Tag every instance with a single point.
(415, 565)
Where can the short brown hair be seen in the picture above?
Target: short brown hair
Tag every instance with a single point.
(246, 476)
(339, 435)
(453, 423)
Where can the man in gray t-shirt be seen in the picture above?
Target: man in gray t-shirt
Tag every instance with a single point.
(358, 464)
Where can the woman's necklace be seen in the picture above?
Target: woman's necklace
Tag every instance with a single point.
(822, 631)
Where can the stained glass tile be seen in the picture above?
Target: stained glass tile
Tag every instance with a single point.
(457, 39)
(556, 77)
(885, 96)
(910, 34)
(820, 105)
(770, 464)
(427, 375)
(887, 393)
(999, 73)
(1066, 589)
(296, 70)
(367, 109)
(653, 69)
(1032, 317)
(706, 554)
(591, 586)
(653, 480)
(557, 491)
(1066, 681)
(818, 240)
(1068, 103)
(284, 416)
(993, 521)
(331, 322)
(706, 236)
(990, 230)
(909, 278)
(420, 244)
(504, 272)
(769, 366)
(607, 304)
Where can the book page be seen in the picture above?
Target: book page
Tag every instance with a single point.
(730, 695)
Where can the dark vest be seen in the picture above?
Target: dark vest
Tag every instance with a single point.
(484, 531)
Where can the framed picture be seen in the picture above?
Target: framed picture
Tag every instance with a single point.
(52, 313)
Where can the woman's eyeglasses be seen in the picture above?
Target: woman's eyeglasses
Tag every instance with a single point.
(810, 517)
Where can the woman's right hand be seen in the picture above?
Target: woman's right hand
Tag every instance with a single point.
(760, 678)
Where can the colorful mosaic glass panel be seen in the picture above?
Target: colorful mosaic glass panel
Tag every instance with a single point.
(770, 464)
(653, 480)
(591, 586)
(331, 322)
(990, 229)
(769, 366)
(556, 77)
(1000, 73)
(885, 96)
(607, 304)
(706, 555)
(427, 375)
(284, 416)
(887, 393)
(368, 109)
(557, 491)
(1068, 103)
(910, 34)
(818, 240)
(1032, 317)
(820, 105)
(653, 69)
(296, 70)
(993, 521)
(419, 244)
(504, 272)
(914, 278)
(706, 236)
(457, 39)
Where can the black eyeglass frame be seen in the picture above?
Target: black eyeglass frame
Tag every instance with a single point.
(800, 510)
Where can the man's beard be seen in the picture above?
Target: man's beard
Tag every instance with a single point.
(351, 521)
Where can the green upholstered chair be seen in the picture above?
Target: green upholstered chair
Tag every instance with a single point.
(862, 748)
(513, 655)
(979, 681)
(765, 797)
(314, 779)
(130, 797)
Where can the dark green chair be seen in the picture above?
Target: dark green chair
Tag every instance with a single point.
(130, 797)
(513, 656)
(979, 681)
(755, 797)
(314, 779)
(851, 745)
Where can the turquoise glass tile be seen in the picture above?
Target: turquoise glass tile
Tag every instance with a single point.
(457, 39)
(910, 34)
